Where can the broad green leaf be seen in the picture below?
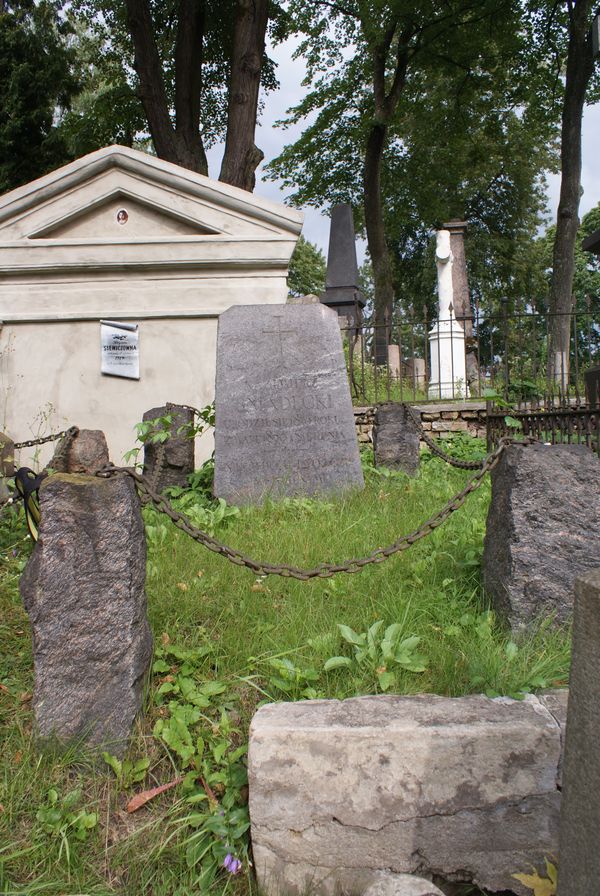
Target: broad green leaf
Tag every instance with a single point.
(337, 662)
(386, 680)
(351, 636)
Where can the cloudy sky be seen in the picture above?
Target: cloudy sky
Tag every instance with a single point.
(271, 140)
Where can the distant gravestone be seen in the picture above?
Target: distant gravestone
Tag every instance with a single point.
(83, 589)
(542, 530)
(177, 459)
(284, 419)
(342, 289)
(396, 440)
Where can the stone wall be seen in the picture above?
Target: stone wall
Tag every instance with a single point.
(440, 419)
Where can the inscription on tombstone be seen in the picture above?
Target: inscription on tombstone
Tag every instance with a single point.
(284, 420)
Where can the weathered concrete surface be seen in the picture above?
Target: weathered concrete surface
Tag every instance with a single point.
(543, 530)
(396, 438)
(83, 589)
(579, 856)
(87, 452)
(178, 455)
(386, 884)
(462, 788)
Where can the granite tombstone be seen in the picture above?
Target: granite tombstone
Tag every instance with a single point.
(284, 420)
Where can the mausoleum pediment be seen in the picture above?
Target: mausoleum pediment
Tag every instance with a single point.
(121, 216)
(119, 194)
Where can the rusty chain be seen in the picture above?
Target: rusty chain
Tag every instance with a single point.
(453, 461)
(323, 570)
(31, 443)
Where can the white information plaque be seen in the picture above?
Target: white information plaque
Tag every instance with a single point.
(120, 349)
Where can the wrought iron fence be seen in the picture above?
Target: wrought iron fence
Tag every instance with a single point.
(503, 356)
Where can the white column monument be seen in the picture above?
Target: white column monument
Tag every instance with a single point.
(447, 338)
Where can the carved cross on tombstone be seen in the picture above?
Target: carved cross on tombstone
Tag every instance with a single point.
(280, 333)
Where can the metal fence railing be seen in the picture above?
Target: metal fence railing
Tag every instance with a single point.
(502, 355)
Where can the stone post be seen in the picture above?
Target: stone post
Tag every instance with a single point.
(394, 366)
(178, 458)
(7, 464)
(447, 338)
(460, 284)
(87, 452)
(83, 589)
(342, 289)
(579, 856)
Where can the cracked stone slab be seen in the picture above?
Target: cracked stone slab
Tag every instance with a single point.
(284, 418)
(464, 788)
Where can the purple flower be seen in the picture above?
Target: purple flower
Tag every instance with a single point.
(231, 864)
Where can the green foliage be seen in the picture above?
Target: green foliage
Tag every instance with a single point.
(61, 818)
(38, 83)
(486, 87)
(460, 445)
(291, 681)
(126, 771)
(159, 430)
(226, 641)
(307, 269)
(380, 655)
(197, 728)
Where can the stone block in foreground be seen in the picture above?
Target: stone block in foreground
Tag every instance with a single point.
(83, 589)
(396, 440)
(579, 856)
(542, 530)
(463, 788)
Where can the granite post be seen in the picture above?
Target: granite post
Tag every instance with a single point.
(579, 856)
(86, 452)
(396, 438)
(83, 589)
(178, 457)
(541, 530)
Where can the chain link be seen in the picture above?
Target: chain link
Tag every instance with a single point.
(324, 570)
(453, 461)
(31, 443)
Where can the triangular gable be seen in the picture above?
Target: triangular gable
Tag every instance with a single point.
(82, 200)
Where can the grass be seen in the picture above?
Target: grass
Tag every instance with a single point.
(226, 641)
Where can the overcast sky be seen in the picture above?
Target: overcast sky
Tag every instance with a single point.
(316, 225)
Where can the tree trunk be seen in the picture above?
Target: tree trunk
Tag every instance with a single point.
(188, 83)
(378, 250)
(580, 66)
(242, 157)
(181, 146)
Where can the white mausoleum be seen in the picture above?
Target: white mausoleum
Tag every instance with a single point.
(123, 236)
